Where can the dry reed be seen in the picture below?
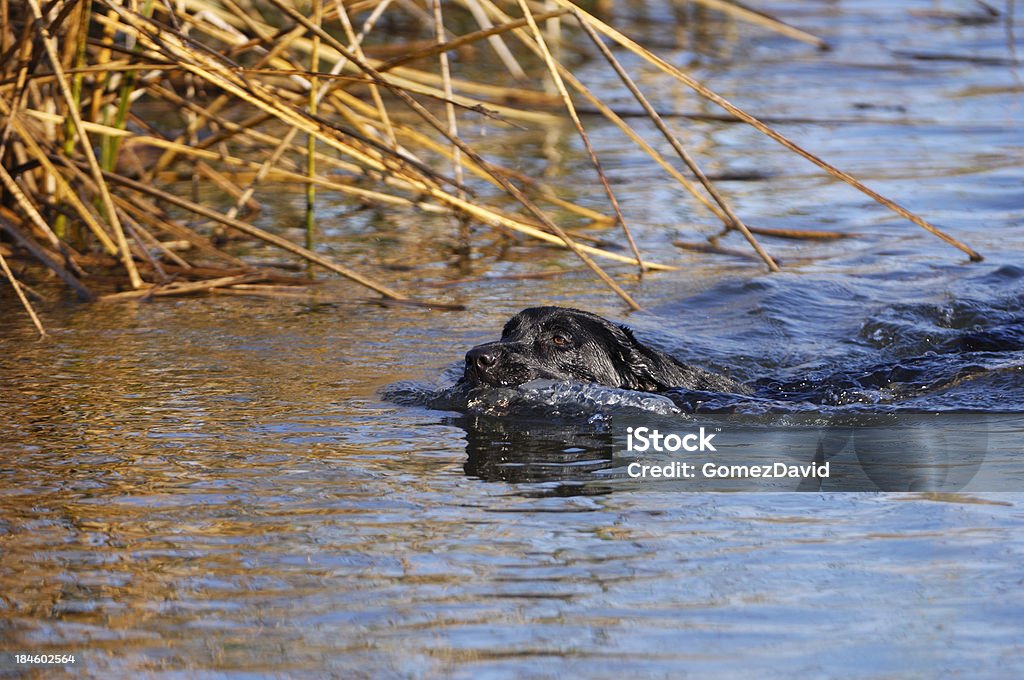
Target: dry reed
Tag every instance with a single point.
(268, 91)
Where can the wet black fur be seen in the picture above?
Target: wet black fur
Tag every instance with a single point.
(559, 343)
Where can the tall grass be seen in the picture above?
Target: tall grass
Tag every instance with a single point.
(77, 76)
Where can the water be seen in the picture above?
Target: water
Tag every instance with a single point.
(216, 487)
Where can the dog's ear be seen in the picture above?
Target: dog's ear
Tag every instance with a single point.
(639, 367)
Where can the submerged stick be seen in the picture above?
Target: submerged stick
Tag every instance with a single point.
(764, 20)
(703, 247)
(800, 234)
(174, 288)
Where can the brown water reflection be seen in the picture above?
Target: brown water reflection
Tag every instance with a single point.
(214, 486)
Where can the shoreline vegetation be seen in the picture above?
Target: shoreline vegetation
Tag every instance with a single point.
(351, 98)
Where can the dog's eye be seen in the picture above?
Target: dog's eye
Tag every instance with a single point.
(559, 340)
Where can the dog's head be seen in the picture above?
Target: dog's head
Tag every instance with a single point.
(558, 343)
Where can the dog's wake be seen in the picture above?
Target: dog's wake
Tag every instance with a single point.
(535, 399)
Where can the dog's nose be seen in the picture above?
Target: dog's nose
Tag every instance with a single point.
(482, 357)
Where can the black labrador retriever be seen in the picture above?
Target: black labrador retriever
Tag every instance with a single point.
(560, 343)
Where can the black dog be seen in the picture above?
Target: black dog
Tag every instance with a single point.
(569, 344)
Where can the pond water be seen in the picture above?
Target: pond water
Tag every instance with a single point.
(220, 487)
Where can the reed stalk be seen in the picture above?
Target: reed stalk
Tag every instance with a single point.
(314, 66)
(549, 61)
(81, 40)
(758, 125)
(49, 45)
(734, 221)
(21, 296)
(269, 92)
(763, 20)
